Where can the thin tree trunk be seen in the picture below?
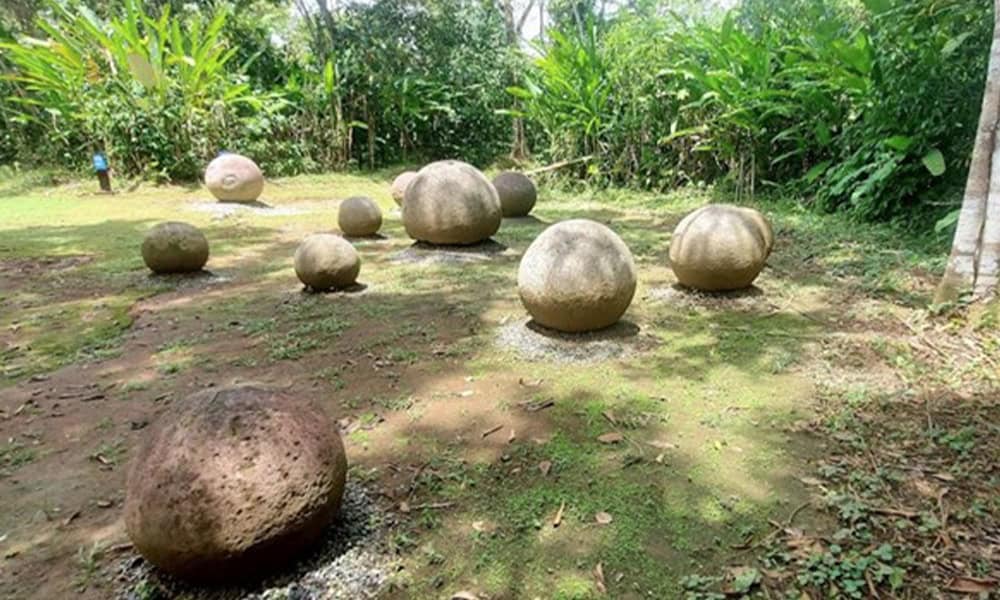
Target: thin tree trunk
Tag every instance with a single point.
(976, 250)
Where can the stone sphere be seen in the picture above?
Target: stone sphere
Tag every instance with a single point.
(234, 178)
(174, 247)
(359, 216)
(517, 193)
(577, 276)
(324, 262)
(451, 203)
(399, 185)
(232, 481)
(720, 247)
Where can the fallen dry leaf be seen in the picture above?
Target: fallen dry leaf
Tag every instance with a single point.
(610, 416)
(972, 585)
(811, 481)
(599, 582)
(511, 437)
(559, 515)
(611, 438)
(662, 445)
(464, 596)
(944, 476)
(545, 466)
(603, 518)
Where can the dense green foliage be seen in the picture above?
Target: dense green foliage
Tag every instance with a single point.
(864, 106)
(869, 108)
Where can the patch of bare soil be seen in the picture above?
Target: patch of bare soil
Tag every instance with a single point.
(16, 271)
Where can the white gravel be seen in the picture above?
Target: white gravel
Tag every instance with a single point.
(533, 342)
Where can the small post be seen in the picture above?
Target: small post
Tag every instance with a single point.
(103, 174)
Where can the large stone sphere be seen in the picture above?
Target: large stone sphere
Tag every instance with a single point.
(324, 262)
(399, 185)
(232, 481)
(174, 247)
(359, 216)
(517, 193)
(577, 276)
(720, 247)
(234, 178)
(451, 203)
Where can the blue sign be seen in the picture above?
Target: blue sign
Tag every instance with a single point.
(100, 162)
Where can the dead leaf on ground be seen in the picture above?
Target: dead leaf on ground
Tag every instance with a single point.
(662, 445)
(559, 515)
(599, 582)
(944, 476)
(464, 596)
(534, 383)
(811, 481)
(611, 438)
(511, 437)
(603, 518)
(610, 416)
(972, 585)
(545, 466)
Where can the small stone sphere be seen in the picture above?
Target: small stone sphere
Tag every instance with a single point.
(577, 276)
(233, 481)
(325, 261)
(399, 185)
(451, 203)
(174, 247)
(234, 178)
(721, 247)
(517, 193)
(359, 216)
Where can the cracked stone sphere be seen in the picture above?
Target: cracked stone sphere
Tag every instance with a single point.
(233, 481)
(720, 247)
(451, 203)
(175, 247)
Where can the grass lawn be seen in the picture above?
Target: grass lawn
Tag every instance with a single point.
(823, 434)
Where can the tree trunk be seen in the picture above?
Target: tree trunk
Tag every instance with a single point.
(519, 144)
(975, 254)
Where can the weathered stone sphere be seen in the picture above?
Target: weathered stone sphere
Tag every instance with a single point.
(517, 193)
(399, 185)
(174, 247)
(233, 480)
(234, 178)
(324, 262)
(451, 202)
(359, 216)
(577, 276)
(720, 247)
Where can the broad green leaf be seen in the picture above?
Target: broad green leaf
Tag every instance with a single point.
(899, 142)
(934, 161)
(954, 43)
(948, 221)
(817, 171)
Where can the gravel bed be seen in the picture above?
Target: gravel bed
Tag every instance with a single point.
(422, 252)
(750, 299)
(350, 563)
(222, 210)
(534, 342)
